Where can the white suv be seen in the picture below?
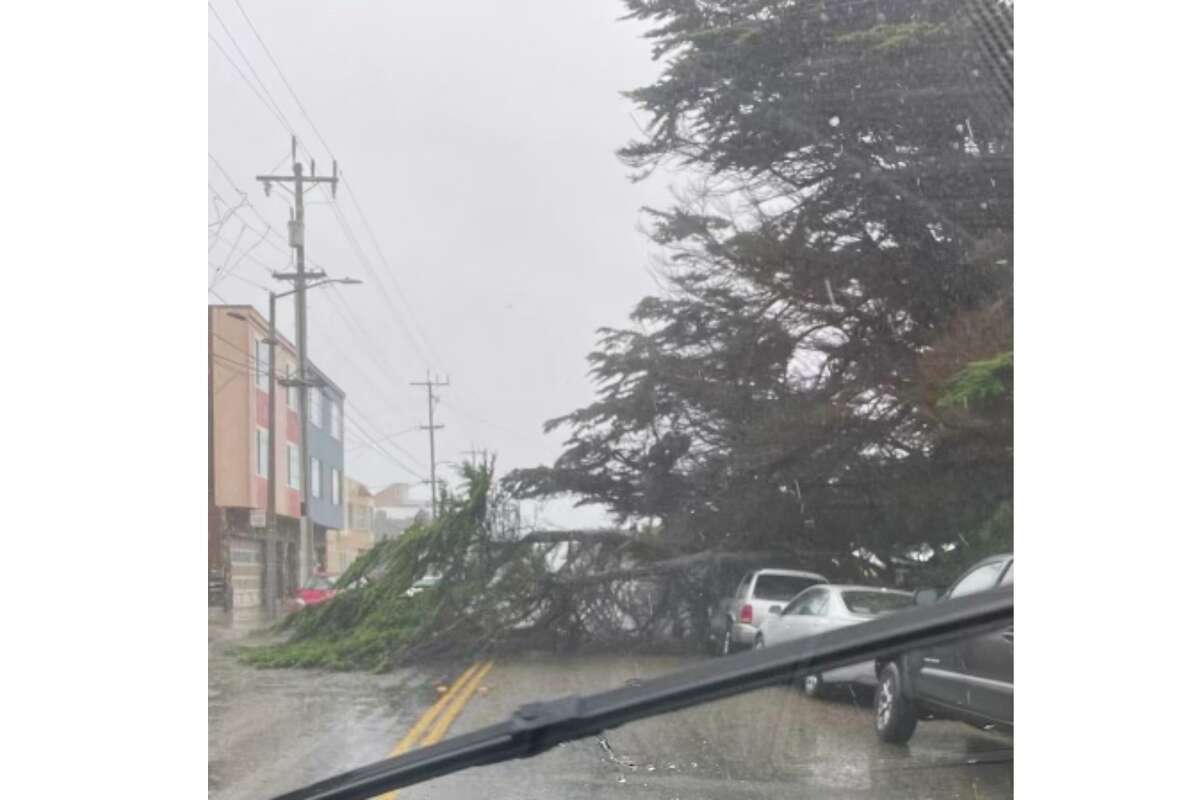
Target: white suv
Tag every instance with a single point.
(736, 621)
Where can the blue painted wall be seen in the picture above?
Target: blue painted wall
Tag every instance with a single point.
(330, 452)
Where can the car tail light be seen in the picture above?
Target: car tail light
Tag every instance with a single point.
(747, 613)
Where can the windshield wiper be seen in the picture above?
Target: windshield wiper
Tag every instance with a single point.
(537, 727)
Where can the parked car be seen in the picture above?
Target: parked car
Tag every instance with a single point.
(427, 582)
(970, 680)
(735, 622)
(317, 590)
(824, 608)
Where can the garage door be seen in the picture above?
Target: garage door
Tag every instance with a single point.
(246, 572)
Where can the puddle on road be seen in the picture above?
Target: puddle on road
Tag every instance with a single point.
(275, 729)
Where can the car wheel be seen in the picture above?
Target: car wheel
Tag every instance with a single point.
(895, 719)
(759, 644)
(813, 685)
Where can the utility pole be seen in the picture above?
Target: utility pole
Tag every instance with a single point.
(430, 384)
(475, 454)
(299, 280)
(272, 477)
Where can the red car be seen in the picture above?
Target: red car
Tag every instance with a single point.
(317, 590)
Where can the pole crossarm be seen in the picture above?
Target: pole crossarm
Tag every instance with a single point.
(289, 179)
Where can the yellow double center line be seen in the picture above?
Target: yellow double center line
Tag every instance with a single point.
(433, 724)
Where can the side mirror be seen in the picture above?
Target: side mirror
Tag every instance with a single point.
(776, 610)
(924, 597)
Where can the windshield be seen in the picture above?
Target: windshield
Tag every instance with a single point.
(550, 337)
(873, 603)
(781, 587)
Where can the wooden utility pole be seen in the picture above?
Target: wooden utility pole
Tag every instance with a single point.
(300, 279)
(430, 384)
(477, 456)
(271, 587)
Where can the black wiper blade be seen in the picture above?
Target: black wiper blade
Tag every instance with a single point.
(537, 727)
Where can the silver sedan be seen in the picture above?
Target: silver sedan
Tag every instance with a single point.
(824, 608)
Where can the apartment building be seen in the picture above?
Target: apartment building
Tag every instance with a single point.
(356, 537)
(260, 565)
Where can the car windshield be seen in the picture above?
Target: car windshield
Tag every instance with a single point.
(570, 338)
(780, 587)
(873, 603)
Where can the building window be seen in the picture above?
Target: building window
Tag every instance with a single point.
(293, 467)
(263, 448)
(262, 364)
(293, 392)
(314, 478)
(335, 419)
(315, 396)
(337, 487)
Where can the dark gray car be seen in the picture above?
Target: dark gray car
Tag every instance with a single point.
(969, 680)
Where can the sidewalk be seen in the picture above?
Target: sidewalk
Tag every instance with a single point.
(240, 623)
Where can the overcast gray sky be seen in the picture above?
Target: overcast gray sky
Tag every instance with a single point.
(478, 138)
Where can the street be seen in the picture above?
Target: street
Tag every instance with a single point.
(274, 730)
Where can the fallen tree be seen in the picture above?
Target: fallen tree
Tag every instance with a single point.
(501, 587)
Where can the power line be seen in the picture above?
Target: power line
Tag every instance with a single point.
(387, 267)
(393, 454)
(397, 315)
(389, 437)
(232, 249)
(368, 374)
(249, 64)
(229, 381)
(366, 425)
(365, 422)
(286, 83)
(243, 279)
(224, 271)
(248, 368)
(375, 445)
(353, 324)
(223, 217)
(425, 347)
(372, 433)
(240, 347)
(337, 304)
(249, 203)
(248, 255)
(233, 212)
(287, 126)
(481, 420)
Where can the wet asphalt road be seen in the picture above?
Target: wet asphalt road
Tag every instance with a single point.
(273, 730)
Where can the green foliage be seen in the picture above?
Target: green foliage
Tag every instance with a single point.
(849, 236)
(374, 626)
(889, 38)
(349, 641)
(979, 382)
